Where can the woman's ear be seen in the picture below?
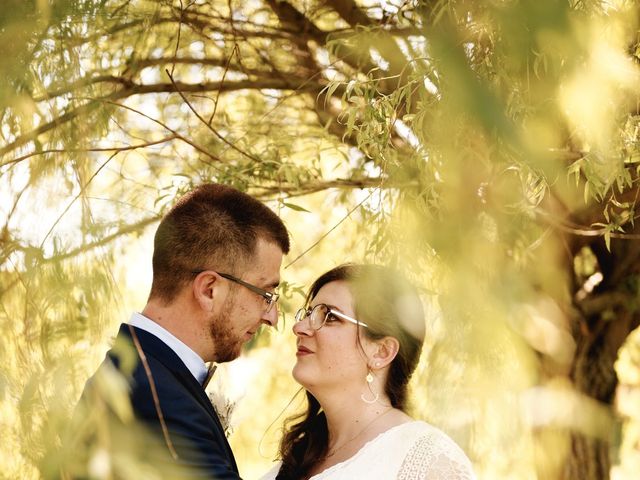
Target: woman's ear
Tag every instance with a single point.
(386, 350)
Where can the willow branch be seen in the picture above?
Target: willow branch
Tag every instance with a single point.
(73, 200)
(197, 20)
(326, 234)
(581, 231)
(608, 300)
(166, 127)
(208, 125)
(132, 89)
(96, 149)
(308, 188)
(138, 64)
(133, 228)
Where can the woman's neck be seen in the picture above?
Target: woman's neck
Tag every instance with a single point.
(349, 420)
(351, 423)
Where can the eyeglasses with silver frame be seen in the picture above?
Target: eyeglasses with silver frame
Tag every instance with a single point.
(319, 314)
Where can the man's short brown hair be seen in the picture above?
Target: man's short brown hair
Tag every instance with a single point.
(211, 227)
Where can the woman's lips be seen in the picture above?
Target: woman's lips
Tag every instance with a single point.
(302, 350)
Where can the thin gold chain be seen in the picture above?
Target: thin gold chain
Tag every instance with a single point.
(364, 429)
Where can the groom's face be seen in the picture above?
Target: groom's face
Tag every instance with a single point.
(244, 310)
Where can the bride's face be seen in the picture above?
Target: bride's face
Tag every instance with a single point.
(331, 358)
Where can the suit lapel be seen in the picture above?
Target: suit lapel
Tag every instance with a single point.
(156, 348)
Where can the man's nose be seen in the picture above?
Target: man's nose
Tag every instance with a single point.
(271, 317)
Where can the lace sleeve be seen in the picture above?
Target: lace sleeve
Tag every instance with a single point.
(433, 459)
(273, 473)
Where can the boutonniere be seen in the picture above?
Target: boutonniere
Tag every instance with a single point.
(223, 406)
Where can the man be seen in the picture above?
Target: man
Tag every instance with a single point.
(216, 264)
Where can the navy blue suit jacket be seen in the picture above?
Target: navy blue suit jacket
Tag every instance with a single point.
(193, 426)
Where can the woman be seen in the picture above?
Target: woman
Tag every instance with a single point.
(359, 341)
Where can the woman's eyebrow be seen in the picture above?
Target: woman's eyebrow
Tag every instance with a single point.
(311, 305)
(333, 307)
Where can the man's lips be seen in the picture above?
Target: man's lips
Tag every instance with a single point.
(302, 350)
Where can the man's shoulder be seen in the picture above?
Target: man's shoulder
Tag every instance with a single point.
(131, 367)
(135, 349)
(143, 359)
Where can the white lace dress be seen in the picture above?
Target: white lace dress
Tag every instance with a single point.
(410, 451)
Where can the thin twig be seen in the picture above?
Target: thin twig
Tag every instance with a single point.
(224, 74)
(175, 52)
(210, 127)
(587, 232)
(132, 88)
(81, 150)
(309, 188)
(178, 135)
(330, 230)
(82, 190)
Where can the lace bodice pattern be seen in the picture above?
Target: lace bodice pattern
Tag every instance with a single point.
(411, 451)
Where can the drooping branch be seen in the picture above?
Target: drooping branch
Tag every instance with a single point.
(132, 228)
(388, 47)
(208, 124)
(132, 88)
(120, 148)
(268, 192)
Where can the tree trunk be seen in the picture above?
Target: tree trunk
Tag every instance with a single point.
(608, 315)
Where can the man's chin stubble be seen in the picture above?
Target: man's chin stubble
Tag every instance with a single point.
(227, 347)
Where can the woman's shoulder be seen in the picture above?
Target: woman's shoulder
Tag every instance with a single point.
(433, 451)
(413, 450)
(422, 428)
(412, 429)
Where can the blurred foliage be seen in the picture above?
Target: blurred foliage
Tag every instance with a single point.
(490, 149)
(627, 401)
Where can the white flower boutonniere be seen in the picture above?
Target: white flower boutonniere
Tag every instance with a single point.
(223, 406)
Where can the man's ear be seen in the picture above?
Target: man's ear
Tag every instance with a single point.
(385, 351)
(204, 288)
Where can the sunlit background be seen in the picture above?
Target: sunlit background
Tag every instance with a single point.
(487, 149)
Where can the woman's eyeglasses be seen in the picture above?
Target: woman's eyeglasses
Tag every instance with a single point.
(319, 314)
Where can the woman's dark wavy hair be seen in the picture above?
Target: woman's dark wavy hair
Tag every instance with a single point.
(390, 306)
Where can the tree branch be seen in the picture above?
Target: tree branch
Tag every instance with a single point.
(133, 228)
(208, 124)
(132, 88)
(595, 304)
(97, 149)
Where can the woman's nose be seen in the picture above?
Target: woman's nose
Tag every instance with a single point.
(302, 327)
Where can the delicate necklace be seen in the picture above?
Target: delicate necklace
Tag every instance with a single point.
(335, 449)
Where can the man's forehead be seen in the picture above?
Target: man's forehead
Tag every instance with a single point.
(266, 262)
(268, 252)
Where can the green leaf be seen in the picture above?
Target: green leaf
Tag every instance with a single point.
(331, 90)
(295, 207)
(586, 192)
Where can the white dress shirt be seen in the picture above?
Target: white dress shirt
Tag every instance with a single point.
(191, 359)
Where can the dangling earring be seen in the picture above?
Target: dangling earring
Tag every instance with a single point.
(369, 379)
